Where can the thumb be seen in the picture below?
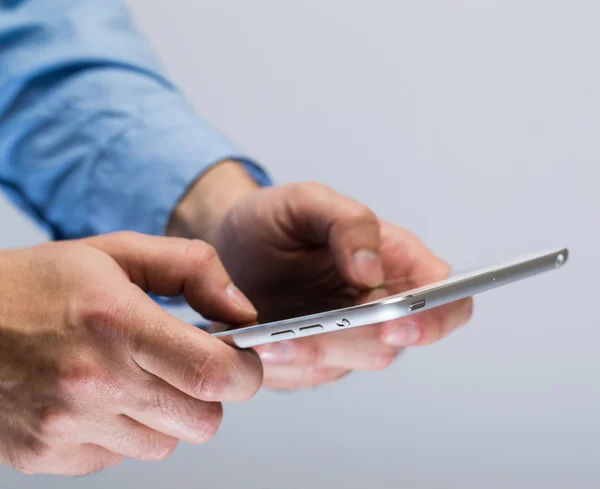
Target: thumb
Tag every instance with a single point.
(350, 230)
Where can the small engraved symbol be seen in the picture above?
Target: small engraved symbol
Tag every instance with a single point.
(342, 323)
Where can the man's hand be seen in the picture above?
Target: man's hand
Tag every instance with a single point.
(92, 370)
(300, 249)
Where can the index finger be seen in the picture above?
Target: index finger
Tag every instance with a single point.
(188, 358)
(170, 266)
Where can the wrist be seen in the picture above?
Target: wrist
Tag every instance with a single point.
(201, 210)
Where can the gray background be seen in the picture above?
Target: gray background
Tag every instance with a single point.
(473, 123)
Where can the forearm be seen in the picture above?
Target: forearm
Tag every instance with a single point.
(94, 139)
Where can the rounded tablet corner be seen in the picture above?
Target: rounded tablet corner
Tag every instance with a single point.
(562, 258)
(238, 342)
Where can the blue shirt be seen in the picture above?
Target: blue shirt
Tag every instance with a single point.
(94, 138)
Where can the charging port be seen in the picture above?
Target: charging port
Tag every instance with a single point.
(415, 306)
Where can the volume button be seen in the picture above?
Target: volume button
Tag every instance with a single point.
(316, 327)
(283, 334)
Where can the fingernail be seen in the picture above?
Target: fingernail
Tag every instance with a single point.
(237, 296)
(368, 268)
(403, 335)
(278, 353)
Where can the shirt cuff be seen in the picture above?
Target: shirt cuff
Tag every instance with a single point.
(260, 176)
(137, 183)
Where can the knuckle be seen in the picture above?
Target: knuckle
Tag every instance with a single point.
(166, 449)
(158, 448)
(79, 379)
(313, 190)
(365, 214)
(444, 268)
(253, 378)
(165, 405)
(137, 444)
(207, 380)
(55, 422)
(206, 426)
(93, 466)
(253, 385)
(106, 312)
(83, 460)
(201, 419)
(127, 236)
(200, 253)
(130, 443)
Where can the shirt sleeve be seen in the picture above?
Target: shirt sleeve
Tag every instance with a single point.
(94, 138)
